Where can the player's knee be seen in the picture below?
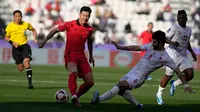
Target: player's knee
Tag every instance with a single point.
(20, 69)
(90, 84)
(27, 62)
(123, 85)
(191, 76)
(75, 71)
(121, 93)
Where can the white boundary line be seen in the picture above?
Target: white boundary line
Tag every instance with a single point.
(65, 82)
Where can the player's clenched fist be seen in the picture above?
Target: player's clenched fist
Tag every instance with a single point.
(189, 90)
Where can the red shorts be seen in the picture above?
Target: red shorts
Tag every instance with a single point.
(80, 60)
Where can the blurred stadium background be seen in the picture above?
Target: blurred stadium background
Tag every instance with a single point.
(119, 20)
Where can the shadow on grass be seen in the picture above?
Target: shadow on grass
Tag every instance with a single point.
(102, 107)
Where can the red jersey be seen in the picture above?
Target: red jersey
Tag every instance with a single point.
(76, 35)
(146, 37)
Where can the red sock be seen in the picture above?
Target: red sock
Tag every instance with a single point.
(72, 83)
(84, 88)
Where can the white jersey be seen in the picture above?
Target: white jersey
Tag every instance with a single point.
(181, 35)
(151, 61)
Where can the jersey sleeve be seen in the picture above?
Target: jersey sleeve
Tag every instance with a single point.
(170, 32)
(64, 26)
(91, 32)
(7, 31)
(30, 27)
(141, 36)
(146, 47)
(170, 63)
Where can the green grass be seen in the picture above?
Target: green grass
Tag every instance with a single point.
(15, 97)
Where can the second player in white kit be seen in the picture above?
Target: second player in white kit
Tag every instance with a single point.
(178, 33)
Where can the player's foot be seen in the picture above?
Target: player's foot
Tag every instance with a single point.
(30, 86)
(173, 88)
(159, 99)
(76, 101)
(149, 77)
(95, 98)
(140, 106)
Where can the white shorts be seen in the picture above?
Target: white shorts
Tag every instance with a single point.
(184, 64)
(134, 82)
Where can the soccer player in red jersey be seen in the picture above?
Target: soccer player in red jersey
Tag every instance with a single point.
(77, 33)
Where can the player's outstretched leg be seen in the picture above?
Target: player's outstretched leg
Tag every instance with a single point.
(96, 98)
(105, 96)
(28, 72)
(129, 97)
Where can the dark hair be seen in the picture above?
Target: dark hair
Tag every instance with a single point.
(150, 23)
(86, 8)
(159, 36)
(17, 11)
(182, 12)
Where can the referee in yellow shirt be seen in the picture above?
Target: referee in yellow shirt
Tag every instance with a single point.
(21, 50)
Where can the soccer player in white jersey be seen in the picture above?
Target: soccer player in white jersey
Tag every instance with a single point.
(155, 57)
(181, 34)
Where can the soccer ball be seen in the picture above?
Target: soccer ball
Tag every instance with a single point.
(62, 96)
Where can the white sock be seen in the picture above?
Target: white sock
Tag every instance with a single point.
(128, 96)
(177, 82)
(109, 94)
(160, 90)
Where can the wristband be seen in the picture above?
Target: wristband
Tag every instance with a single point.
(186, 85)
(11, 42)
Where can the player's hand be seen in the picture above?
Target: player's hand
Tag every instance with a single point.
(36, 41)
(41, 44)
(194, 57)
(91, 60)
(188, 89)
(116, 45)
(15, 44)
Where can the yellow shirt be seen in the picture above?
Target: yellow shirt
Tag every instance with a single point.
(16, 32)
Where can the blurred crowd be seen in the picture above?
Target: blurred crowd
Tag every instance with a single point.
(105, 19)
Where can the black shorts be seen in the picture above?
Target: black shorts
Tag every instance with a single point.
(20, 53)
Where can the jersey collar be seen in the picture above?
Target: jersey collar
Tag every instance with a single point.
(78, 23)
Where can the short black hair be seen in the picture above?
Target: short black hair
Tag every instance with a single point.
(17, 11)
(159, 36)
(86, 8)
(150, 23)
(182, 12)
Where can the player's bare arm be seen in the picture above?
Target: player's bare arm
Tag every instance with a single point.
(90, 48)
(181, 76)
(35, 35)
(11, 42)
(49, 36)
(172, 43)
(127, 48)
(192, 52)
